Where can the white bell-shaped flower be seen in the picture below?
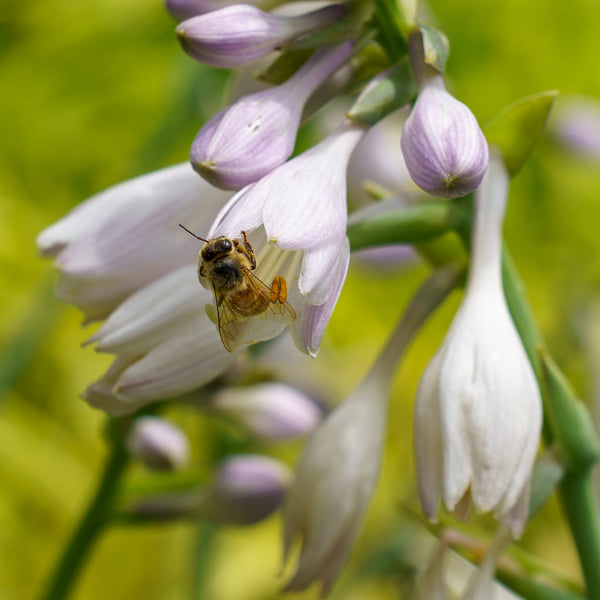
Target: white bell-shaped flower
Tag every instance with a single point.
(478, 412)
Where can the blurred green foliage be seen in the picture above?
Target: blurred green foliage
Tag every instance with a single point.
(97, 92)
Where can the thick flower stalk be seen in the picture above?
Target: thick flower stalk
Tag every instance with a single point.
(122, 257)
(237, 35)
(256, 134)
(478, 411)
(295, 218)
(445, 150)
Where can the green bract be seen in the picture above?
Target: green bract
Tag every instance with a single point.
(518, 128)
(436, 47)
(391, 92)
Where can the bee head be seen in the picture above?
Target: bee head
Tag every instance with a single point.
(215, 248)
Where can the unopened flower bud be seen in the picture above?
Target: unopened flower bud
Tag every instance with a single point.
(256, 134)
(237, 35)
(247, 489)
(185, 9)
(444, 149)
(160, 445)
(269, 410)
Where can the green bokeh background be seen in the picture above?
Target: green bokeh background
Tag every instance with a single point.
(97, 92)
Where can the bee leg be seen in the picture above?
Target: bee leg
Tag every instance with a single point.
(249, 251)
(278, 290)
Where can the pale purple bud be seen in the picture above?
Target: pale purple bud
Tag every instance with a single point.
(239, 34)
(577, 125)
(270, 410)
(247, 489)
(444, 149)
(185, 9)
(160, 445)
(256, 134)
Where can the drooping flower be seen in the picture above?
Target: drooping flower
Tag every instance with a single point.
(445, 150)
(333, 485)
(122, 257)
(296, 222)
(478, 410)
(237, 35)
(338, 469)
(256, 134)
(271, 411)
(159, 444)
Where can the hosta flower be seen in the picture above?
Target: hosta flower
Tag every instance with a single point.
(272, 411)
(478, 411)
(334, 481)
(247, 489)
(256, 134)
(239, 34)
(185, 9)
(338, 470)
(160, 445)
(122, 257)
(576, 123)
(296, 221)
(445, 150)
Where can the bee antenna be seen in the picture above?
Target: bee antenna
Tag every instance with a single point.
(196, 236)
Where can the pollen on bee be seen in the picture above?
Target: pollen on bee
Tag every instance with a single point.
(278, 289)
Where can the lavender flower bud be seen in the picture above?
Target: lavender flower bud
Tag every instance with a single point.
(272, 411)
(160, 445)
(185, 9)
(239, 34)
(256, 134)
(247, 489)
(445, 151)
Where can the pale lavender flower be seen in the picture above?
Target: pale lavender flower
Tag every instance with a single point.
(576, 123)
(478, 410)
(247, 489)
(445, 150)
(185, 9)
(271, 411)
(338, 469)
(237, 35)
(296, 219)
(334, 481)
(160, 445)
(122, 257)
(256, 134)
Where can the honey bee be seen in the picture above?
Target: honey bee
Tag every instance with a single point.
(227, 265)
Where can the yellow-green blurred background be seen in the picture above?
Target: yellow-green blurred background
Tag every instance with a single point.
(97, 92)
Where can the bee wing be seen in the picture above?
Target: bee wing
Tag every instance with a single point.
(238, 329)
(278, 305)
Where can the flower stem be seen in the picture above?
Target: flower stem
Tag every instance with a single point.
(90, 526)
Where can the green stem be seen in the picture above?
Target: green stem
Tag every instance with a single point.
(90, 526)
(204, 554)
(392, 27)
